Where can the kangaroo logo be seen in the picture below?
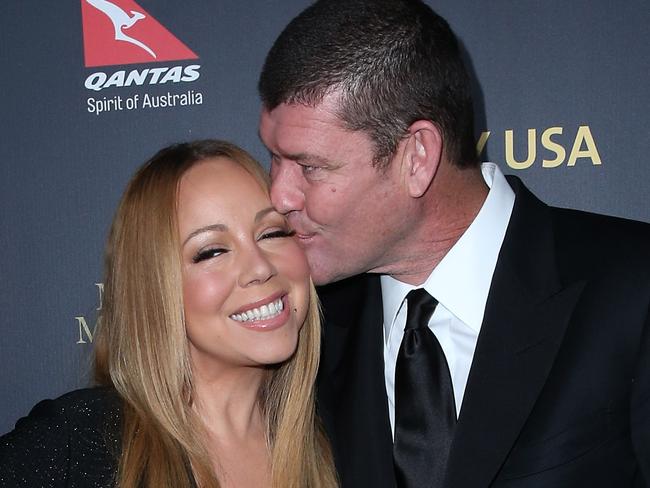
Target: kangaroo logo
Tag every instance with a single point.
(121, 20)
(106, 41)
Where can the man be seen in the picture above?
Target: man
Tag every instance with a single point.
(536, 319)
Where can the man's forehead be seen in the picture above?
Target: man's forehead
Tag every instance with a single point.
(287, 125)
(296, 113)
(328, 108)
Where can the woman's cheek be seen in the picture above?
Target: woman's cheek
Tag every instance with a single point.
(203, 293)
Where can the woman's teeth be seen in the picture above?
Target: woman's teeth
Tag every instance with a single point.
(268, 311)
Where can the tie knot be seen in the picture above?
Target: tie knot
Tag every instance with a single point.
(420, 308)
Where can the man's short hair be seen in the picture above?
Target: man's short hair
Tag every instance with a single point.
(392, 62)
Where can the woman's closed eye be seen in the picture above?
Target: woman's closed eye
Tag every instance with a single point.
(208, 253)
(277, 233)
(215, 251)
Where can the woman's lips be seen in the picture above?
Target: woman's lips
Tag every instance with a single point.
(264, 315)
(259, 303)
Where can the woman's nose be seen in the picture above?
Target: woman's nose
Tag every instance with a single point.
(257, 268)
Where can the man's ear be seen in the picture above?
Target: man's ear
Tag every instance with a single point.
(422, 156)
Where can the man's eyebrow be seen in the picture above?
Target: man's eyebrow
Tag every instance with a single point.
(308, 158)
(207, 228)
(302, 158)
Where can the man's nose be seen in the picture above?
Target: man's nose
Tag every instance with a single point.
(286, 187)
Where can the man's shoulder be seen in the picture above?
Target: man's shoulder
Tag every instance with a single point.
(582, 240)
(589, 244)
(583, 222)
(602, 233)
(577, 225)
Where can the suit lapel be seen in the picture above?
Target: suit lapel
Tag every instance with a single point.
(526, 315)
(351, 387)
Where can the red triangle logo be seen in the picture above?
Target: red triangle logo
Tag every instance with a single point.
(122, 32)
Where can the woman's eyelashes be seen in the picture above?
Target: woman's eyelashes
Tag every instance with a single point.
(272, 234)
(208, 253)
(215, 251)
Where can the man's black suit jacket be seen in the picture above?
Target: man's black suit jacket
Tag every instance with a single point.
(559, 387)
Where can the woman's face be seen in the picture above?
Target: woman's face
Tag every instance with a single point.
(245, 279)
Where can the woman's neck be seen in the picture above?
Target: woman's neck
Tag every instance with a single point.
(227, 401)
(235, 431)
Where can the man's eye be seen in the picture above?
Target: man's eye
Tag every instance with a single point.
(208, 254)
(277, 233)
(308, 169)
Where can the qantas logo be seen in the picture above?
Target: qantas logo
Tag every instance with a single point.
(122, 32)
(121, 20)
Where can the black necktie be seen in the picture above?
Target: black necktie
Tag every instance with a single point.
(425, 412)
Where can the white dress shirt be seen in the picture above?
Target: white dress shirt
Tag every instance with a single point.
(460, 283)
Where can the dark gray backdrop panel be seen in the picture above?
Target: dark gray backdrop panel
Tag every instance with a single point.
(538, 65)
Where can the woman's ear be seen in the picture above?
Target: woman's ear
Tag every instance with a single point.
(422, 156)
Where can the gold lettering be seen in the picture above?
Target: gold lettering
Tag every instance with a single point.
(482, 141)
(553, 146)
(532, 150)
(584, 134)
(100, 290)
(85, 330)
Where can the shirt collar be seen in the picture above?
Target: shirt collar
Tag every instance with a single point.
(461, 281)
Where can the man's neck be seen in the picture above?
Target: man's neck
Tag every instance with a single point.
(452, 204)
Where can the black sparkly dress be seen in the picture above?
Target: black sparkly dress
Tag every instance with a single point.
(73, 441)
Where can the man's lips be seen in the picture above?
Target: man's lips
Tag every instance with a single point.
(297, 225)
(305, 239)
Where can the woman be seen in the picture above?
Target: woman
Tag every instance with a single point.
(207, 349)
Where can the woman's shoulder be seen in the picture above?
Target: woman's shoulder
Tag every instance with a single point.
(71, 436)
(79, 412)
(79, 406)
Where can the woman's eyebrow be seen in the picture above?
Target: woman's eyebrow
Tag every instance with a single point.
(207, 228)
(263, 213)
(223, 228)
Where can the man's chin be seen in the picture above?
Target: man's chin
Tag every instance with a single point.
(324, 274)
(320, 272)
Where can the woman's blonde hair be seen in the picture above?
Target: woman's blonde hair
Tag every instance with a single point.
(142, 350)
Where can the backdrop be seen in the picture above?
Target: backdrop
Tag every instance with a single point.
(561, 92)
